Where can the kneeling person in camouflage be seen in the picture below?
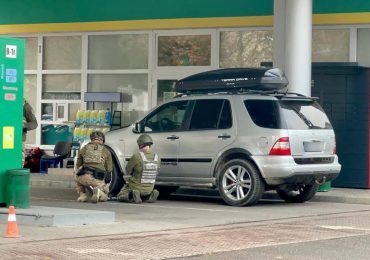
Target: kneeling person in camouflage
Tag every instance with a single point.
(142, 170)
(94, 162)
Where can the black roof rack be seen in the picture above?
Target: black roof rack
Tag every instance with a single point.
(235, 79)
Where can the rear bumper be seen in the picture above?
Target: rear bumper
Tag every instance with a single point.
(302, 179)
(278, 170)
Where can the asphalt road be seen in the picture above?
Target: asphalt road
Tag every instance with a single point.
(202, 228)
(354, 247)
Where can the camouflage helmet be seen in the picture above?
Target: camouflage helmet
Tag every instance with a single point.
(144, 139)
(97, 135)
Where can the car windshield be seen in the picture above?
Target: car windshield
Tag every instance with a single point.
(287, 114)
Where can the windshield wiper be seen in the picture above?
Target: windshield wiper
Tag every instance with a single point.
(304, 118)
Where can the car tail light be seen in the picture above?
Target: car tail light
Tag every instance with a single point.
(335, 149)
(281, 147)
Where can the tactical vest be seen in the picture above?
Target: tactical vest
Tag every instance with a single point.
(150, 169)
(94, 154)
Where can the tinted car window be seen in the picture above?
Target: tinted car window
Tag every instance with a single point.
(225, 120)
(169, 117)
(211, 114)
(264, 113)
(304, 115)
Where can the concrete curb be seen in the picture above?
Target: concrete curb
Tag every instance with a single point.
(61, 185)
(56, 217)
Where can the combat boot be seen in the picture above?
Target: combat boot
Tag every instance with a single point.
(96, 195)
(103, 196)
(82, 197)
(153, 196)
(136, 196)
(124, 196)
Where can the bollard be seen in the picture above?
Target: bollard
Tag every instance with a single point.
(18, 188)
(325, 187)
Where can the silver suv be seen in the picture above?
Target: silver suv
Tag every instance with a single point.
(235, 131)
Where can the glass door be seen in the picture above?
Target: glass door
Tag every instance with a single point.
(165, 90)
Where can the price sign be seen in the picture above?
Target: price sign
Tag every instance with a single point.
(11, 51)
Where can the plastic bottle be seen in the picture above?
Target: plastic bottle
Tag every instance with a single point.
(77, 134)
(79, 117)
(93, 117)
(100, 118)
(89, 131)
(108, 117)
(84, 134)
(86, 117)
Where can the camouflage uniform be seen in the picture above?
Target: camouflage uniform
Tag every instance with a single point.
(29, 123)
(93, 156)
(141, 180)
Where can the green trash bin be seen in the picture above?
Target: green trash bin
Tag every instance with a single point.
(325, 187)
(18, 188)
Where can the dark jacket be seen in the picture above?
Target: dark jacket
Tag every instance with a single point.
(29, 119)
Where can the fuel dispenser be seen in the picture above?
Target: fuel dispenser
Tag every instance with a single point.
(11, 109)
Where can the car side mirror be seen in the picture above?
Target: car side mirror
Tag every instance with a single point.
(136, 128)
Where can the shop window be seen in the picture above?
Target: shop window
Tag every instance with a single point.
(363, 47)
(330, 45)
(187, 50)
(62, 52)
(61, 86)
(245, 48)
(122, 51)
(134, 86)
(30, 59)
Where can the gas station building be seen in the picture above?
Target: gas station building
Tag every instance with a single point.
(141, 47)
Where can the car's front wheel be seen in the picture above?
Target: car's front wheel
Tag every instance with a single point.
(298, 193)
(115, 180)
(240, 184)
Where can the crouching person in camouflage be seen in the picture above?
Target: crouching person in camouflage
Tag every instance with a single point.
(94, 162)
(142, 170)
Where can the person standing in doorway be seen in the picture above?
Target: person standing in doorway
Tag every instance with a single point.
(29, 123)
(142, 170)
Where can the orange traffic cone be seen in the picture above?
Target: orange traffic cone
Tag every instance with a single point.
(11, 226)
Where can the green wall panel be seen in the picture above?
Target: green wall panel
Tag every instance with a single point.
(340, 6)
(54, 11)
(57, 11)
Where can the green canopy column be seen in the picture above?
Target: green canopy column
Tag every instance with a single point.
(11, 108)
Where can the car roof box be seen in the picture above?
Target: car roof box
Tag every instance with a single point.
(235, 79)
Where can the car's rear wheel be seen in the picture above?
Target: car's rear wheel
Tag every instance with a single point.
(298, 193)
(240, 184)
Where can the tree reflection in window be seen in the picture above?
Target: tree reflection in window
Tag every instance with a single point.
(240, 49)
(188, 50)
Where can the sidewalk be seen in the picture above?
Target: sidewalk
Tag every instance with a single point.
(344, 195)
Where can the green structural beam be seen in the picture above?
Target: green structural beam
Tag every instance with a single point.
(56, 11)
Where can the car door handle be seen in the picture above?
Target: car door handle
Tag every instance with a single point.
(224, 136)
(172, 137)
